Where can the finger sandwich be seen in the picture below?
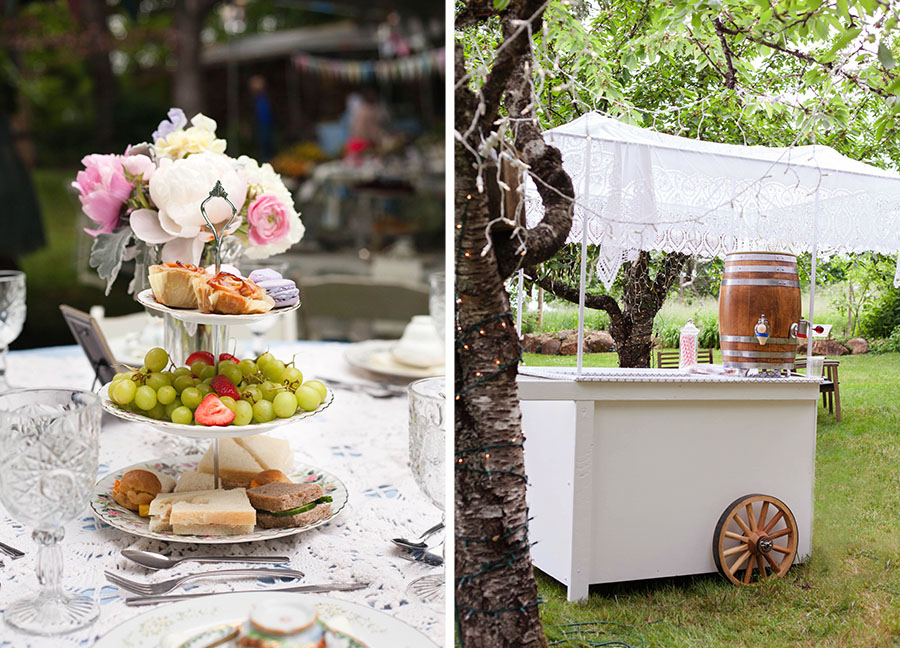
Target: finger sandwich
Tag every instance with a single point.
(241, 459)
(280, 505)
(209, 512)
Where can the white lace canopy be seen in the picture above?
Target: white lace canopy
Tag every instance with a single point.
(637, 189)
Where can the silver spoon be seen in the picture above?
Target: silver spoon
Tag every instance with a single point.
(420, 544)
(153, 560)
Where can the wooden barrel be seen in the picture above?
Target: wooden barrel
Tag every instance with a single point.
(758, 284)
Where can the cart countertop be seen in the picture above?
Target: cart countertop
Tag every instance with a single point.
(562, 383)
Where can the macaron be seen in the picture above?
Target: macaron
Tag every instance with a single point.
(264, 274)
(283, 291)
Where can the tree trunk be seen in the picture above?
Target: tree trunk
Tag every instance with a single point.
(631, 324)
(496, 594)
(188, 77)
(93, 18)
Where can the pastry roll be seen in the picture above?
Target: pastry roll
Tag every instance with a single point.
(171, 284)
(230, 295)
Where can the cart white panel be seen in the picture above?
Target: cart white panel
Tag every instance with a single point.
(628, 479)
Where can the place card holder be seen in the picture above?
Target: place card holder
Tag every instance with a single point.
(92, 341)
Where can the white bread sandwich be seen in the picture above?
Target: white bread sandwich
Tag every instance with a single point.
(280, 505)
(241, 459)
(210, 512)
(192, 480)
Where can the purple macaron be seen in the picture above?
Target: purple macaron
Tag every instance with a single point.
(283, 291)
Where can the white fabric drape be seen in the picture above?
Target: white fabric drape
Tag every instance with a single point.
(651, 191)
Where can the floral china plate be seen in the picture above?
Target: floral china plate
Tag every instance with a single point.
(179, 624)
(107, 510)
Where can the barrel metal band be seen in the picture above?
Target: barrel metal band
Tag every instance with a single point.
(747, 339)
(784, 283)
(758, 354)
(760, 268)
(757, 365)
(790, 258)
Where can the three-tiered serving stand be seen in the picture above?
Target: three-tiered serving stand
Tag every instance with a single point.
(215, 338)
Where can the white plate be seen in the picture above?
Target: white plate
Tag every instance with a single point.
(208, 431)
(106, 509)
(194, 316)
(376, 356)
(375, 629)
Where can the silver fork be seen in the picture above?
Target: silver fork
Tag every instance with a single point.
(152, 589)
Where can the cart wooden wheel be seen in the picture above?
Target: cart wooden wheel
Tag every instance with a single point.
(756, 533)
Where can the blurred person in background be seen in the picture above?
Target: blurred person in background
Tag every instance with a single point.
(23, 231)
(262, 114)
(366, 118)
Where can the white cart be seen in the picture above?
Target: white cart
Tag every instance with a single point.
(642, 473)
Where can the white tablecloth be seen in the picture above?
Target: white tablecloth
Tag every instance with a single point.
(361, 440)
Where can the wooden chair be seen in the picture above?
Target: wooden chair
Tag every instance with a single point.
(669, 359)
(830, 387)
(354, 308)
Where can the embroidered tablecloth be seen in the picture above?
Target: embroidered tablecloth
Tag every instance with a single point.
(361, 440)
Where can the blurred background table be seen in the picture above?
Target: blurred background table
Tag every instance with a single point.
(361, 440)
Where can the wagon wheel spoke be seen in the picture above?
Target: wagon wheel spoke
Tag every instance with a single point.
(761, 566)
(748, 572)
(750, 517)
(773, 521)
(742, 524)
(779, 549)
(780, 533)
(772, 562)
(740, 561)
(737, 536)
(736, 549)
(763, 512)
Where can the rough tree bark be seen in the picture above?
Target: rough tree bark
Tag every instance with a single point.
(631, 325)
(496, 595)
(188, 76)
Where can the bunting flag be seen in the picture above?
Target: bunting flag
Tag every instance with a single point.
(408, 68)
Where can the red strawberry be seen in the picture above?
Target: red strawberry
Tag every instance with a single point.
(227, 356)
(224, 387)
(212, 411)
(206, 356)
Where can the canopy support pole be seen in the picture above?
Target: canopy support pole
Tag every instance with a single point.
(519, 299)
(812, 279)
(584, 239)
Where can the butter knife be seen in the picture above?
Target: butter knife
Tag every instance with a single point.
(165, 598)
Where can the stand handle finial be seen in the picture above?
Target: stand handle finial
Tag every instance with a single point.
(218, 192)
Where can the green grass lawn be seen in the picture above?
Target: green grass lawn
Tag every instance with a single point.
(847, 594)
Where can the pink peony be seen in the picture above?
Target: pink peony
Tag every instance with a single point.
(268, 220)
(102, 190)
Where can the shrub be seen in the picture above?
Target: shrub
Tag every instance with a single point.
(889, 345)
(882, 317)
(708, 323)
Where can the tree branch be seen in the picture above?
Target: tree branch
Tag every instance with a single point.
(730, 78)
(570, 293)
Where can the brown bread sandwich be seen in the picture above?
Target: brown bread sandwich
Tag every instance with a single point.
(279, 505)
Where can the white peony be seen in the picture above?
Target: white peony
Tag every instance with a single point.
(176, 189)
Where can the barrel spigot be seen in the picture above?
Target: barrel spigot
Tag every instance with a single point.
(761, 330)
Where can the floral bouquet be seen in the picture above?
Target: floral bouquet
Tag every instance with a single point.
(146, 203)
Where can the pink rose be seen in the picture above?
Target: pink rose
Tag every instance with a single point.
(102, 190)
(268, 220)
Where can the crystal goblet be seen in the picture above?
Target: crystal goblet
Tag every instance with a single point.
(12, 315)
(49, 441)
(437, 307)
(427, 461)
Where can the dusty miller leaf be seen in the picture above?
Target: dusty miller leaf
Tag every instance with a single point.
(107, 254)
